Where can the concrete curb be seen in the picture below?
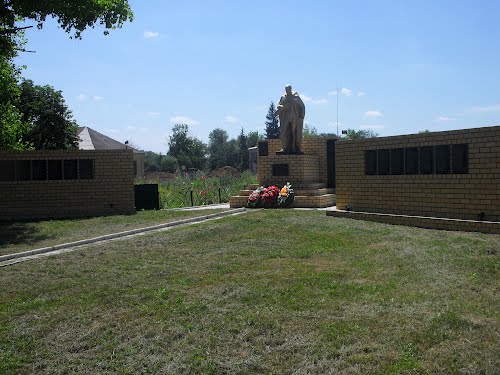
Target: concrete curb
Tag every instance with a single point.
(43, 250)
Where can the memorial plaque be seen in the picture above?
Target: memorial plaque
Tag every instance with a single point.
(460, 158)
(397, 161)
(442, 159)
(280, 170)
(371, 162)
(411, 160)
(263, 148)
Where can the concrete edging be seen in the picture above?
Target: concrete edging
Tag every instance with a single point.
(118, 235)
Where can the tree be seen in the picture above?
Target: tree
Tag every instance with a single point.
(50, 124)
(272, 123)
(11, 125)
(360, 134)
(309, 131)
(152, 161)
(73, 16)
(189, 152)
(252, 138)
(243, 151)
(218, 148)
(169, 164)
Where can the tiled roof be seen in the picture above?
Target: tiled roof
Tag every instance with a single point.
(93, 140)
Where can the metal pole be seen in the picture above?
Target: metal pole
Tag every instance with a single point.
(192, 200)
(220, 198)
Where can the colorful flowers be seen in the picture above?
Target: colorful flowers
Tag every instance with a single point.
(271, 196)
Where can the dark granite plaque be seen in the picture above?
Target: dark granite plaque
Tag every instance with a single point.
(280, 170)
(263, 148)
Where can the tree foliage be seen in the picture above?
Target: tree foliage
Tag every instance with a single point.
(11, 126)
(253, 137)
(73, 17)
(309, 131)
(221, 151)
(50, 124)
(360, 134)
(272, 123)
(243, 151)
(189, 151)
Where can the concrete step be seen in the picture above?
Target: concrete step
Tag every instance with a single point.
(311, 201)
(309, 192)
(246, 193)
(316, 201)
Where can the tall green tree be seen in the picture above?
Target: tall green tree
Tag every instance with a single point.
(252, 138)
(73, 17)
(243, 150)
(189, 151)
(11, 125)
(360, 134)
(218, 148)
(272, 123)
(50, 124)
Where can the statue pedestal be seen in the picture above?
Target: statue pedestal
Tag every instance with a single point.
(279, 169)
(308, 173)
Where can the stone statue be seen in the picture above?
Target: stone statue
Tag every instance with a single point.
(291, 112)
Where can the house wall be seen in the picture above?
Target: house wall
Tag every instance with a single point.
(139, 164)
(109, 191)
(450, 195)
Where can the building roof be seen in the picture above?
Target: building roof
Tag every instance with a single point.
(89, 139)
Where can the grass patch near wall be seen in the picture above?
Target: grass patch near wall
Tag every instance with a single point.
(268, 292)
(22, 236)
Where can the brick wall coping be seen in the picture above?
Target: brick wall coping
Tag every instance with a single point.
(421, 221)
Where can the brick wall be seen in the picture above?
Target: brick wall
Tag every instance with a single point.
(109, 191)
(452, 195)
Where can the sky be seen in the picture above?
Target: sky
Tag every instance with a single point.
(394, 67)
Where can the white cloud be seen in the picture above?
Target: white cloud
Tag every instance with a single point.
(308, 99)
(131, 128)
(444, 118)
(319, 101)
(332, 93)
(231, 120)
(153, 114)
(345, 91)
(371, 127)
(488, 108)
(373, 114)
(151, 34)
(82, 97)
(183, 120)
(97, 98)
(361, 93)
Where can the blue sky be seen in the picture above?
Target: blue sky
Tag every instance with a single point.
(399, 66)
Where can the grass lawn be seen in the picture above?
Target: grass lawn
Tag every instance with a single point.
(269, 292)
(23, 236)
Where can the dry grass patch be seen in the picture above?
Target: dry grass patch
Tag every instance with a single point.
(267, 292)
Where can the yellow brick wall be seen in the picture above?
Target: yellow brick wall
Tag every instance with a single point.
(461, 196)
(111, 191)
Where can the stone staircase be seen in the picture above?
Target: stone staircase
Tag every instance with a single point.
(314, 195)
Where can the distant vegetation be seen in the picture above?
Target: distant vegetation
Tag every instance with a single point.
(186, 151)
